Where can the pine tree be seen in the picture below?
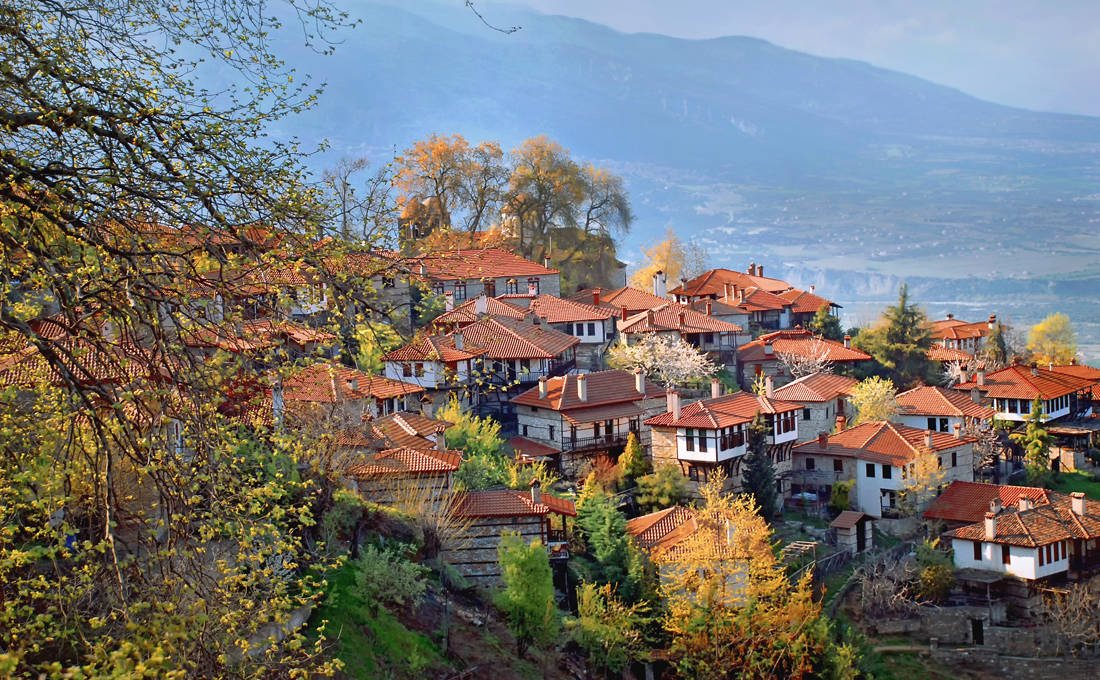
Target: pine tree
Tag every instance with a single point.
(759, 476)
(1036, 442)
(996, 347)
(826, 324)
(633, 461)
(900, 343)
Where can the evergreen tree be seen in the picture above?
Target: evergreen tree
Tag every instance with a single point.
(1036, 442)
(996, 347)
(661, 489)
(759, 476)
(527, 598)
(826, 324)
(900, 343)
(604, 530)
(633, 461)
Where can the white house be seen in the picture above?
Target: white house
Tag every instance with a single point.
(444, 365)
(940, 409)
(1011, 391)
(824, 400)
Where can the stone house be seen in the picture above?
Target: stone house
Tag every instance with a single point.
(406, 477)
(764, 356)
(593, 326)
(963, 503)
(804, 306)
(941, 409)
(708, 334)
(824, 400)
(444, 365)
(338, 396)
(465, 274)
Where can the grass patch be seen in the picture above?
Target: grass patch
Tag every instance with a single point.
(1068, 482)
(805, 518)
(370, 645)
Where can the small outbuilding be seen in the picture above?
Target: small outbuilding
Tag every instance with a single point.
(853, 531)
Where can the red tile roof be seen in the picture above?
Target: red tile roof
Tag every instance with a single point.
(87, 362)
(434, 348)
(716, 307)
(816, 387)
(603, 387)
(1041, 525)
(556, 310)
(805, 302)
(724, 411)
(330, 383)
(597, 414)
(531, 448)
(256, 334)
(509, 503)
(969, 501)
(1084, 372)
(408, 461)
(511, 339)
(928, 400)
(675, 317)
(631, 299)
(711, 283)
(947, 354)
(799, 342)
(848, 519)
(466, 313)
(883, 442)
(955, 329)
(1018, 382)
(649, 531)
(758, 300)
(477, 264)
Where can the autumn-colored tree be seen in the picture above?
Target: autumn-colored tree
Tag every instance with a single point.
(874, 399)
(633, 461)
(731, 611)
(610, 631)
(661, 489)
(1053, 340)
(667, 256)
(920, 480)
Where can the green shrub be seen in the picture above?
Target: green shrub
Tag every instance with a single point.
(389, 577)
(840, 499)
(664, 488)
(936, 582)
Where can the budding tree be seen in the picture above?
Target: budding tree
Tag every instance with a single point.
(814, 361)
(670, 361)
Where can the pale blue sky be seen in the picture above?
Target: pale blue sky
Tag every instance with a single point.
(1038, 54)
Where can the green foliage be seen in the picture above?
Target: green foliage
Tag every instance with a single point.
(603, 528)
(874, 399)
(469, 433)
(826, 324)
(426, 305)
(527, 598)
(519, 475)
(661, 489)
(936, 582)
(1036, 442)
(388, 576)
(339, 520)
(611, 632)
(930, 554)
(995, 351)
(373, 339)
(758, 479)
(633, 461)
(840, 498)
(900, 343)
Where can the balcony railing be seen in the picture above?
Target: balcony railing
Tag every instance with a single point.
(605, 441)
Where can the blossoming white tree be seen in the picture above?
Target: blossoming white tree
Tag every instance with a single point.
(814, 361)
(669, 361)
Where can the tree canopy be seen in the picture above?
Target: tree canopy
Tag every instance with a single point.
(900, 342)
(758, 479)
(1053, 340)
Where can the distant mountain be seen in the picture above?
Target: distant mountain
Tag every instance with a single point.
(824, 169)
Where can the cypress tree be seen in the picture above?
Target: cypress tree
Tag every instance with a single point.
(759, 476)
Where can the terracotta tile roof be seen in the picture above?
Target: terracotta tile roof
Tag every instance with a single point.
(928, 400)
(650, 531)
(711, 283)
(724, 411)
(403, 429)
(408, 461)
(255, 335)
(969, 501)
(758, 300)
(511, 339)
(597, 414)
(799, 342)
(848, 519)
(434, 348)
(603, 387)
(956, 329)
(88, 362)
(1084, 372)
(631, 299)
(1018, 382)
(675, 317)
(946, 354)
(556, 310)
(530, 448)
(816, 387)
(883, 442)
(466, 313)
(716, 307)
(805, 302)
(509, 503)
(477, 264)
(1041, 525)
(330, 383)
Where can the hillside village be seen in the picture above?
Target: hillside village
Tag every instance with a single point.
(421, 424)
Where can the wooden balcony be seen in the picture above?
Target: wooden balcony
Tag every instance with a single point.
(606, 441)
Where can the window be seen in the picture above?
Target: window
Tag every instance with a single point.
(592, 330)
(805, 414)
(977, 551)
(943, 425)
(460, 290)
(406, 370)
(1041, 560)
(1050, 553)
(702, 440)
(758, 369)
(418, 369)
(838, 465)
(811, 464)
(954, 458)
(524, 430)
(388, 282)
(689, 439)
(1006, 555)
(887, 472)
(533, 285)
(579, 330)
(939, 462)
(596, 430)
(511, 287)
(551, 432)
(708, 338)
(490, 288)
(870, 469)
(931, 423)
(437, 288)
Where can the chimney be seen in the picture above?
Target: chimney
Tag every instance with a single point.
(715, 388)
(536, 491)
(680, 318)
(990, 526)
(752, 269)
(760, 270)
(981, 377)
(1077, 503)
(1025, 503)
(848, 341)
(596, 298)
(769, 387)
(582, 387)
(449, 298)
(740, 294)
(726, 291)
(841, 422)
(708, 308)
(975, 395)
(812, 288)
(353, 384)
(950, 316)
(1034, 369)
(822, 440)
(928, 439)
(542, 387)
(624, 313)
(423, 270)
(546, 261)
(460, 342)
(660, 284)
(649, 317)
(992, 321)
(958, 431)
(672, 401)
(639, 381)
(963, 377)
(481, 305)
(767, 348)
(995, 506)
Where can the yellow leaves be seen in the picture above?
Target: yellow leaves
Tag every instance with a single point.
(665, 256)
